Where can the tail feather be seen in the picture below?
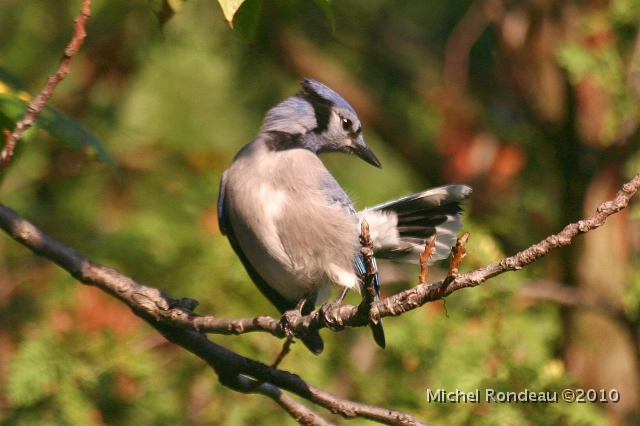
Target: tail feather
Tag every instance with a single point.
(376, 329)
(313, 342)
(378, 334)
(401, 227)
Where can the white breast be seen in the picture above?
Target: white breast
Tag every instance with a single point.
(296, 240)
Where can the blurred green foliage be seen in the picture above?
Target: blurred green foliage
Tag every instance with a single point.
(173, 105)
(13, 105)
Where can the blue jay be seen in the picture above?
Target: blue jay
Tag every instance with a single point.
(293, 226)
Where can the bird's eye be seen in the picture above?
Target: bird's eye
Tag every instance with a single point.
(346, 124)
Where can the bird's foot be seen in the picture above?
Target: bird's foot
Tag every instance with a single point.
(290, 321)
(331, 314)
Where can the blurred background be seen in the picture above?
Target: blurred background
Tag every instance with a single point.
(533, 103)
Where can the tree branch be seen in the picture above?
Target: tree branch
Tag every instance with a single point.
(347, 315)
(175, 320)
(424, 293)
(368, 291)
(561, 239)
(179, 313)
(171, 317)
(35, 107)
(298, 411)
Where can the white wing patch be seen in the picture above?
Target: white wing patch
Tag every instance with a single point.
(383, 228)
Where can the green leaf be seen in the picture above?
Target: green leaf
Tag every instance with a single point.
(246, 18)
(12, 107)
(229, 8)
(325, 5)
(59, 125)
(64, 128)
(10, 83)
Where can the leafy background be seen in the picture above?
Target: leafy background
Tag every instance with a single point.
(534, 104)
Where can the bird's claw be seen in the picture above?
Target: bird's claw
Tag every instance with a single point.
(330, 312)
(290, 321)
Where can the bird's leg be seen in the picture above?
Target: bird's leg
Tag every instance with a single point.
(330, 311)
(341, 296)
(292, 318)
(300, 305)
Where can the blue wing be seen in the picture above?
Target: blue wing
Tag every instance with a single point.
(362, 269)
(376, 329)
(421, 215)
(337, 195)
(223, 223)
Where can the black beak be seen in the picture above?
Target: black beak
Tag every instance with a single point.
(361, 149)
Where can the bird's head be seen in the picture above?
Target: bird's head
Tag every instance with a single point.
(318, 119)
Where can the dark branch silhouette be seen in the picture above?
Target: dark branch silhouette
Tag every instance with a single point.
(535, 291)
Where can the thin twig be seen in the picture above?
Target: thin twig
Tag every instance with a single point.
(458, 252)
(286, 348)
(368, 292)
(413, 298)
(429, 250)
(561, 239)
(35, 107)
